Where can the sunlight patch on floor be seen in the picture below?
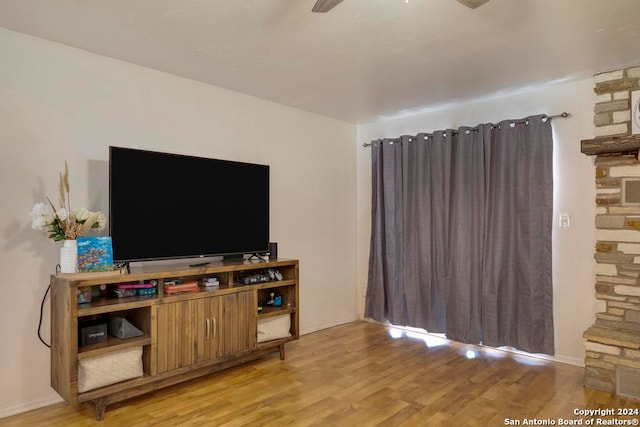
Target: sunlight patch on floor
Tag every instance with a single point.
(430, 340)
(471, 351)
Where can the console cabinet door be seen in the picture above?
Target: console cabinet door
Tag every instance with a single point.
(205, 329)
(239, 323)
(182, 334)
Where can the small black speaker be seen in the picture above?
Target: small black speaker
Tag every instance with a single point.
(273, 250)
(92, 332)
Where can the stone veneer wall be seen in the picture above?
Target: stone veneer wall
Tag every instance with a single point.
(613, 342)
(613, 103)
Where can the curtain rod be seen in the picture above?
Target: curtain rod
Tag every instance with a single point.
(563, 115)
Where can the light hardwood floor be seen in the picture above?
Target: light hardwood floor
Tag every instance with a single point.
(359, 375)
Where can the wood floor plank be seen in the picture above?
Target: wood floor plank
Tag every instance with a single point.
(358, 375)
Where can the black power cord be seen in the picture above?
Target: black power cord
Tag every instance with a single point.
(41, 310)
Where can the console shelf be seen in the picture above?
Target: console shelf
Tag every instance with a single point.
(272, 312)
(184, 336)
(274, 284)
(108, 305)
(112, 344)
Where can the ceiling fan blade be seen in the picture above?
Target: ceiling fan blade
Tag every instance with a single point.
(323, 6)
(472, 3)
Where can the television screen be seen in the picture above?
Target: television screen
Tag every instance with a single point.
(164, 206)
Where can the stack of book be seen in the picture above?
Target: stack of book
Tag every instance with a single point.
(172, 288)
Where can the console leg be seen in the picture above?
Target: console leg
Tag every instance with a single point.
(281, 351)
(100, 407)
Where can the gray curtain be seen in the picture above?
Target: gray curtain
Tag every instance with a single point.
(461, 233)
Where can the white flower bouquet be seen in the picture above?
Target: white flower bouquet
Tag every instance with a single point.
(62, 223)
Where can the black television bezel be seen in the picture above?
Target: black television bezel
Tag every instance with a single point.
(206, 254)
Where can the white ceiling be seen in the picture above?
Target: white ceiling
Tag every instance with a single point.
(363, 60)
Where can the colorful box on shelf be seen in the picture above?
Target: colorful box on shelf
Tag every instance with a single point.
(95, 253)
(133, 289)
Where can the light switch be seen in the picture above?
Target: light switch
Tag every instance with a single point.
(565, 220)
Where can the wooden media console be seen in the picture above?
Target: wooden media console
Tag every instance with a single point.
(184, 336)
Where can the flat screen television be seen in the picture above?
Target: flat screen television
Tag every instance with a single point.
(166, 206)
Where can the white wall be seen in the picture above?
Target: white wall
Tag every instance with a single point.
(61, 104)
(574, 193)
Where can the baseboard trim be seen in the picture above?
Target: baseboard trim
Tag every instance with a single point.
(317, 328)
(561, 359)
(29, 406)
